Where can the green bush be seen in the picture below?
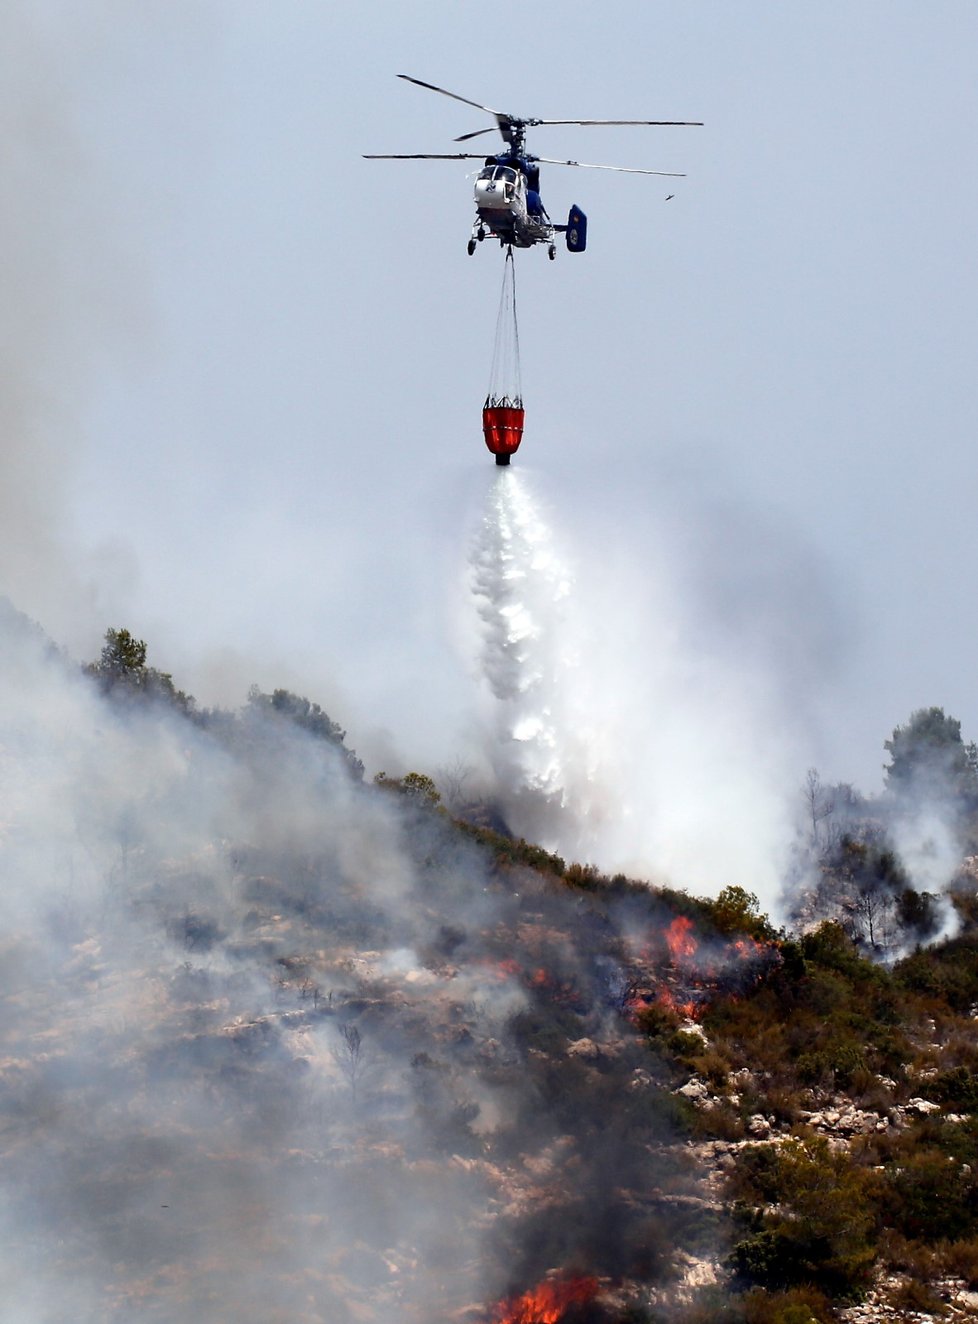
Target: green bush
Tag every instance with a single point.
(818, 1221)
(957, 1087)
(831, 947)
(930, 1196)
(658, 1023)
(802, 1305)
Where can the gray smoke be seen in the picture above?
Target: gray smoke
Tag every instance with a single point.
(278, 1045)
(68, 303)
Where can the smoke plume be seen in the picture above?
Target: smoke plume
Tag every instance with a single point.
(279, 1045)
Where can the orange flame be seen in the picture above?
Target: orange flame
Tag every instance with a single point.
(747, 949)
(680, 938)
(546, 1303)
(666, 998)
(507, 969)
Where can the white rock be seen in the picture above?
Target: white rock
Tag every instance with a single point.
(694, 1027)
(923, 1107)
(584, 1048)
(695, 1089)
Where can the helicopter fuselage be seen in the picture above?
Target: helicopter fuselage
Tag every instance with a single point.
(508, 203)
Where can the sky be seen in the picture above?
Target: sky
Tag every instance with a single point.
(243, 369)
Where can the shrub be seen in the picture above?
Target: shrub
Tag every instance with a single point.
(913, 1258)
(689, 1048)
(831, 947)
(803, 1305)
(813, 1068)
(958, 1087)
(948, 973)
(658, 1023)
(818, 1222)
(584, 876)
(913, 1298)
(838, 1063)
(961, 1259)
(930, 1196)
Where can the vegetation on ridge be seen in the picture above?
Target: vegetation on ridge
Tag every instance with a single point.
(591, 1074)
(825, 1031)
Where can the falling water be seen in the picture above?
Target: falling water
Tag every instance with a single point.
(531, 658)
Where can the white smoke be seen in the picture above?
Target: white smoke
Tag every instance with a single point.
(929, 838)
(148, 1057)
(193, 913)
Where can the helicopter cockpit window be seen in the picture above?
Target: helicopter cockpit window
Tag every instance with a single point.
(487, 173)
(506, 174)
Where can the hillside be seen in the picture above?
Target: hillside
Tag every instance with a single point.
(282, 1044)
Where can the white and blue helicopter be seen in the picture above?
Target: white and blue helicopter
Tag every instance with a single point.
(507, 189)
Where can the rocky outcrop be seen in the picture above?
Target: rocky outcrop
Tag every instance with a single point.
(843, 1122)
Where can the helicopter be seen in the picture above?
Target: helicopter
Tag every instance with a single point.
(507, 188)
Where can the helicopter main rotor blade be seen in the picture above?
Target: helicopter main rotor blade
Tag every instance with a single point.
(454, 95)
(628, 170)
(475, 134)
(675, 123)
(678, 123)
(422, 156)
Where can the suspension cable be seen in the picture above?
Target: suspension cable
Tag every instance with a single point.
(505, 381)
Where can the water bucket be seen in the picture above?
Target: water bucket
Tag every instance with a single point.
(502, 427)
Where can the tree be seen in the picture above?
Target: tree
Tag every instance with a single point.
(416, 786)
(452, 778)
(929, 760)
(819, 802)
(122, 672)
(419, 786)
(350, 1057)
(736, 910)
(300, 711)
(870, 881)
(123, 656)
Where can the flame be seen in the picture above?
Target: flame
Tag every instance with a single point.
(747, 949)
(665, 997)
(506, 969)
(680, 938)
(694, 974)
(510, 968)
(546, 1303)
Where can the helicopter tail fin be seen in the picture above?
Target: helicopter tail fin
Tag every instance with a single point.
(576, 230)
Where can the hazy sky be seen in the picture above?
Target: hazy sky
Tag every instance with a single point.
(243, 369)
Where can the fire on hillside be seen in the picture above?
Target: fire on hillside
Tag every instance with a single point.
(676, 970)
(546, 1303)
